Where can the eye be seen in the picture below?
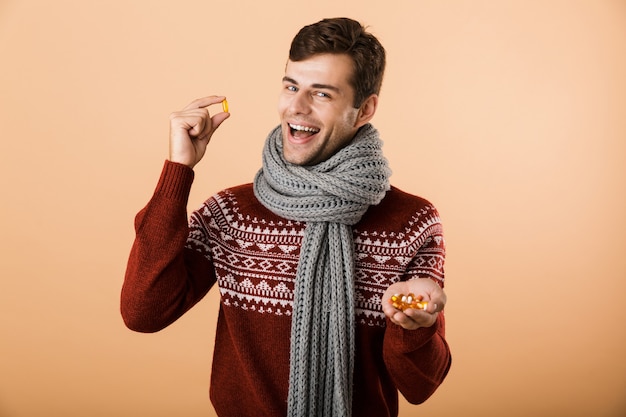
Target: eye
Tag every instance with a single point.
(291, 88)
(321, 94)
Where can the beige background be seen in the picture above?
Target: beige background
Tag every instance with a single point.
(508, 115)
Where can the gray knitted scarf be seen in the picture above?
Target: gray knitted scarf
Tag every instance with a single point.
(330, 197)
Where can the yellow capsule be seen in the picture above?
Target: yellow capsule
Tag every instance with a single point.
(395, 302)
(421, 305)
(225, 106)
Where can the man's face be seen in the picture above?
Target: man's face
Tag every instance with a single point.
(316, 108)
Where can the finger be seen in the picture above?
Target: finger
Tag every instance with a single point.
(437, 303)
(210, 128)
(198, 126)
(434, 307)
(218, 119)
(188, 118)
(415, 314)
(389, 312)
(421, 318)
(404, 321)
(204, 102)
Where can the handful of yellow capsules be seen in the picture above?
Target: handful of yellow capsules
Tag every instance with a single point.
(402, 302)
(225, 106)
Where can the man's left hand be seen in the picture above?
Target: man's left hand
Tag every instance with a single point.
(410, 318)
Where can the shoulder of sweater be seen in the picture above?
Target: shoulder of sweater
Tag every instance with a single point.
(399, 209)
(242, 189)
(399, 199)
(241, 198)
(243, 193)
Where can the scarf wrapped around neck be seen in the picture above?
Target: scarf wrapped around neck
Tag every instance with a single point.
(330, 197)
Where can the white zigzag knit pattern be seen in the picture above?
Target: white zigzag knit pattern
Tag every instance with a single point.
(256, 259)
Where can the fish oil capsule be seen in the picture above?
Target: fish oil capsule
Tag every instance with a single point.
(225, 105)
(417, 302)
(396, 301)
(402, 302)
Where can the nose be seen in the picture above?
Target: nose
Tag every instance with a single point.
(300, 103)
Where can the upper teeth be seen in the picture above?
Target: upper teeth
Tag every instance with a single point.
(305, 128)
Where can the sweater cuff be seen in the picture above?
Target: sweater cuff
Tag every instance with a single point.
(175, 181)
(406, 341)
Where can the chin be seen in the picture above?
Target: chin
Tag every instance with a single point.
(295, 159)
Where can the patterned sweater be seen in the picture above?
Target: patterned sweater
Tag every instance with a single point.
(252, 254)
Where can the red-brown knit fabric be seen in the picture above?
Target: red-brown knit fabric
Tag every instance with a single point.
(252, 254)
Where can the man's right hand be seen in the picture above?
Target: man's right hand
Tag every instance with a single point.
(191, 130)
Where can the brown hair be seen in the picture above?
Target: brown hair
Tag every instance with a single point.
(344, 36)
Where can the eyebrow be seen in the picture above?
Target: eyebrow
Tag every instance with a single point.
(317, 85)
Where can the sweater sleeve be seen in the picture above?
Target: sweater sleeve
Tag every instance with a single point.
(163, 278)
(420, 359)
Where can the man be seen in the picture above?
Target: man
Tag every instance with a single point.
(308, 256)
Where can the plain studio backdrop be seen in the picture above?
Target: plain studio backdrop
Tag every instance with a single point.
(508, 115)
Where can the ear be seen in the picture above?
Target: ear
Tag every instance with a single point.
(366, 111)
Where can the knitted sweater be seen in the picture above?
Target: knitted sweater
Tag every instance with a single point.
(252, 254)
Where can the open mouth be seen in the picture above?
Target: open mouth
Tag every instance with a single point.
(302, 132)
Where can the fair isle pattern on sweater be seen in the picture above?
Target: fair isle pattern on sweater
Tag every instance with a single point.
(256, 256)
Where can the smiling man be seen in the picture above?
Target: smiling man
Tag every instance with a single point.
(308, 256)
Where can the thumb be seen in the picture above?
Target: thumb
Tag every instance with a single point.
(218, 119)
